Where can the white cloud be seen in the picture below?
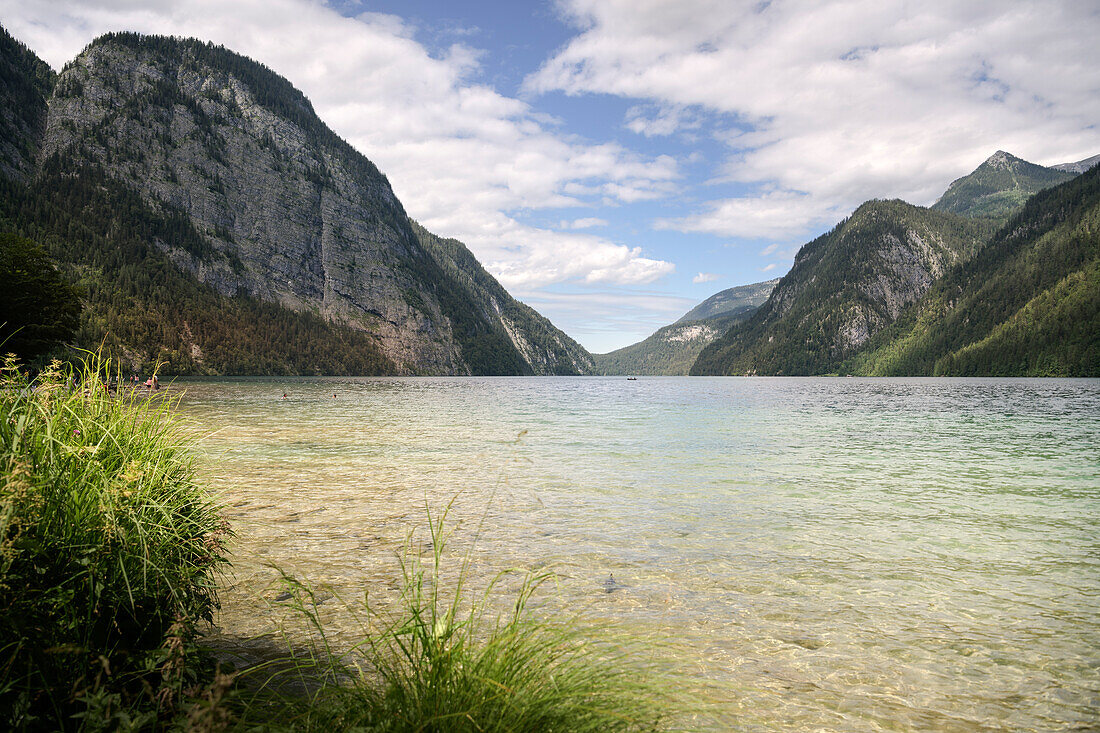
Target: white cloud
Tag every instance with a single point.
(585, 223)
(558, 257)
(461, 157)
(774, 215)
(607, 320)
(705, 277)
(770, 267)
(829, 104)
(658, 122)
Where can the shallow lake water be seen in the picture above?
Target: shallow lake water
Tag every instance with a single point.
(833, 554)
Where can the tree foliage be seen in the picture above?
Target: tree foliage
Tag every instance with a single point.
(38, 308)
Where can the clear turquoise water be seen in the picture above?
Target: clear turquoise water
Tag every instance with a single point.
(836, 554)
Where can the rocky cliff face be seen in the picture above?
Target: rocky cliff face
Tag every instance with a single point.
(544, 349)
(25, 84)
(287, 211)
(843, 288)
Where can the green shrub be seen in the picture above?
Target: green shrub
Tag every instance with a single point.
(107, 552)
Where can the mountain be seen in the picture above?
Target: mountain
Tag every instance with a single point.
(1000, 186)
(25, 84)
(547, 350)
(1027, 305)
(731, 299)
(217, 223)
(1080, 166)
(672, 349)
(844, 287)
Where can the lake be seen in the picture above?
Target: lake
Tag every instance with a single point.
(833, 554)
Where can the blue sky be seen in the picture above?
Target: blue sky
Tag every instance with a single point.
(613, 162)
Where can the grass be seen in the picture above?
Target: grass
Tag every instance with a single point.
(443, 659)
(108, 548)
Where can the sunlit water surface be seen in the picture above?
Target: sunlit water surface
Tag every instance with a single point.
(835, 554)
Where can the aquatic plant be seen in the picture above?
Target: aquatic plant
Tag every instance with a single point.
(442, 659)
(108, 549)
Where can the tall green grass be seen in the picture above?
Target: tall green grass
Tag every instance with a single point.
(448, 658)
(108, 549)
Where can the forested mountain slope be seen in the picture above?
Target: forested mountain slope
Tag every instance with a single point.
(216, 222)
(999, 186)
(844, 287)
(1027, 305)
(542, 349)
(732, 299)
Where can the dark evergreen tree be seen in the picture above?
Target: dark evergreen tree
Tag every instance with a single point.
(38, 308)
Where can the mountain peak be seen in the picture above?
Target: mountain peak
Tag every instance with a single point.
(998, 187)
(1002, 160)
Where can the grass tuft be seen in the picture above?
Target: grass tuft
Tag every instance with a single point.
(442, 659)
(108, 549)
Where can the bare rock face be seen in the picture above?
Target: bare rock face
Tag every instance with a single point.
(25, 83)
(287, 211)
(290, 215)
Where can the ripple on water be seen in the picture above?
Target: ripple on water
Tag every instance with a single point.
(838, 554)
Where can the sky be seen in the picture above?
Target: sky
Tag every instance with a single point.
(614, 162)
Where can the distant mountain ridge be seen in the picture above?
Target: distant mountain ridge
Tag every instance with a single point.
(1080, 166)
(731, 299)
(246, 191)
(671, 350)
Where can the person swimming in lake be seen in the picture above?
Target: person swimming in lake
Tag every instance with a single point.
(284, 395)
